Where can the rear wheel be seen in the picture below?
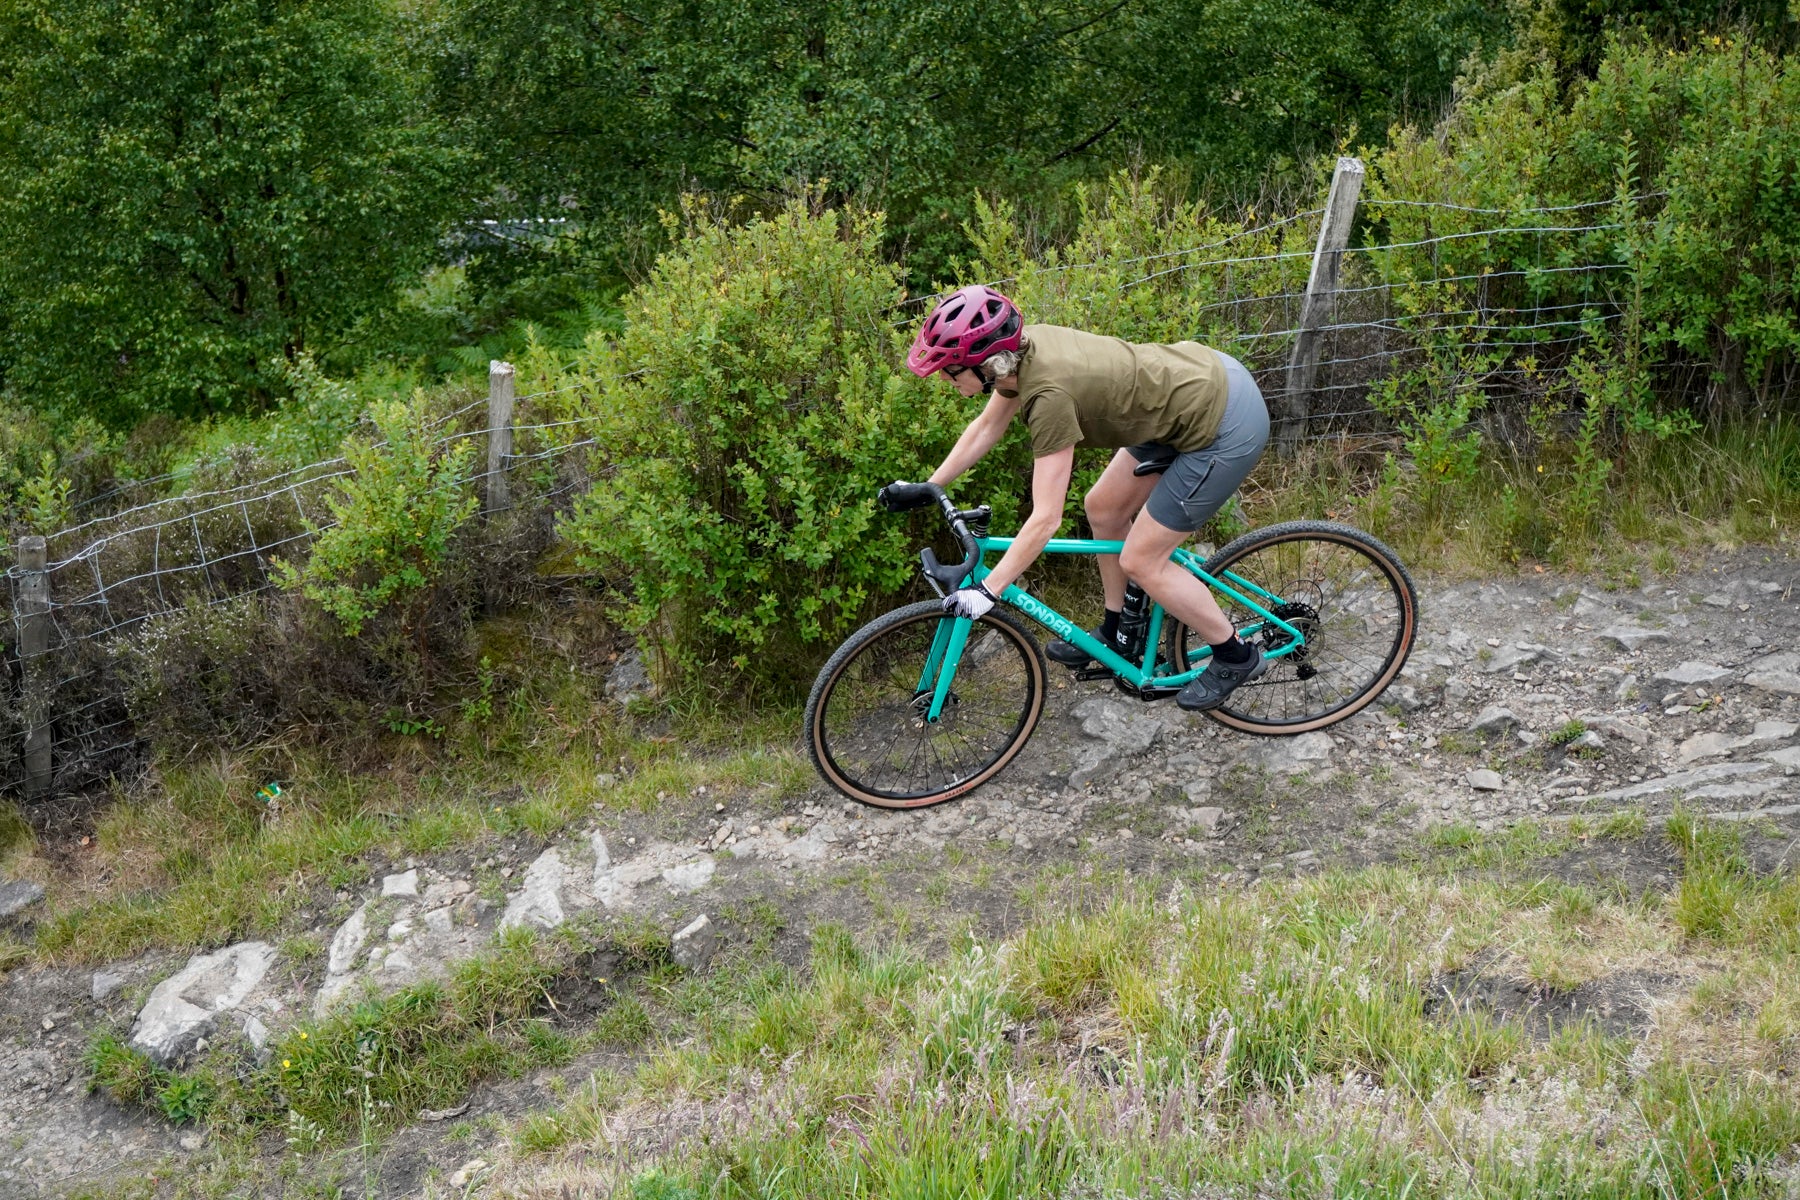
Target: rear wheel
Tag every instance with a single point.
(1350, 598)
(866, 726)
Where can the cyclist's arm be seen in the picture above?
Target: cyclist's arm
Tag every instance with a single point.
(1049, 491)
(982, 435)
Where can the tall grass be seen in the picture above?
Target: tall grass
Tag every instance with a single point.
(1285, 1041)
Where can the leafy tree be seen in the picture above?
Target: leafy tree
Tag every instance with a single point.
(192, 192)
(609, 109)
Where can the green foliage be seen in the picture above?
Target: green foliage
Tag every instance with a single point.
(395, 518)
(750, 412)
(654, 1185)
(193, 193)
(604, 112)
(1566, 733)
(127, 1075)
(1706, 134)
(1433, 406)
(315, 416)
(1721, 899)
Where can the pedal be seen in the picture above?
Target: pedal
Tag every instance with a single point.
(1088, 673)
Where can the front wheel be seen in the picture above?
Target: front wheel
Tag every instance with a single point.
(866, 720)
(1349, 597)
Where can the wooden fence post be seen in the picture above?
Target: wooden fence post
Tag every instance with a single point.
(33, 620)
(500, 434)
(1315, 309)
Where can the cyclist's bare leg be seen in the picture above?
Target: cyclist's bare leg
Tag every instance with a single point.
(1111, 503)
(1146, 559)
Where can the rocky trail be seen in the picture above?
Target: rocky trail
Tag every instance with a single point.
(1537, 699)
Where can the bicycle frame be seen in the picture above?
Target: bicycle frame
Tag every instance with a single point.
(953, 634)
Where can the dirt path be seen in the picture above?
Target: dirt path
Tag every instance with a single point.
(1686, 690)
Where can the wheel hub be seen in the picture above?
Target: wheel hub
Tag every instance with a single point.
(921, 706)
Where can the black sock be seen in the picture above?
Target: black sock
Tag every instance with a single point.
(1109, 626)
(1233, 651)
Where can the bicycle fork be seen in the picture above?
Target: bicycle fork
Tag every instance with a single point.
(947, 644)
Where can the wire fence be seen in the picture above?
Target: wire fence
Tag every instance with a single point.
(110, 579)
(1499, 307)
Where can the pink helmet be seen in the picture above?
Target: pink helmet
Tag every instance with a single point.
(971, 324)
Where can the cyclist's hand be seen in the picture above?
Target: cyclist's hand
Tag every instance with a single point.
(900, 496)
(970, 602)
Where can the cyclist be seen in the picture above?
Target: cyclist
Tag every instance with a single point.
(1189, 414)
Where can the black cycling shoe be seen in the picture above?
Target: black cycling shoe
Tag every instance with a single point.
(1218, 681)
(1074, 657)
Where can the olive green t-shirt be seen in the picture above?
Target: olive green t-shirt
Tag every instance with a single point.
(1081, 389)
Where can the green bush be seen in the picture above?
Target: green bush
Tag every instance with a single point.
(1706, 134)
(748, 415)
(395, 518)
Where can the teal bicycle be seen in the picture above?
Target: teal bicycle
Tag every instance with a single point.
(918, 707)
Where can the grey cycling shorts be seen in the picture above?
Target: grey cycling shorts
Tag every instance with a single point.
(1197, 484)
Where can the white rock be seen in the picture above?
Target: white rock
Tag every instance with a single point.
(538, 901)
(1405, 697)
(1711, 745)
(1120, 731)
(1494, 718)
(1207, 818)
(255, 1032)
(1776, 810)
(1512, 656)
(1778, 673)
(16, 895)
(1589, 740)
(1684, 781)
(1737, 789)
(184, 1006)
(1284, 756)
(465, 1174)
(690, 877)
(1630, 636)
(1484, 780)
(404, 884)
(1788, 759)
(347, 943)
(1617, 727)
(628, 678)
(104, 984)
(439, 921)
(694, 945)
(1705, 745)
(1689, 673)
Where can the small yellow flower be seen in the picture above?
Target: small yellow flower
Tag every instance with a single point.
(286, 1064)
(303, 1032)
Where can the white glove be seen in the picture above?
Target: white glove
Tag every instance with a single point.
(970, 602)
